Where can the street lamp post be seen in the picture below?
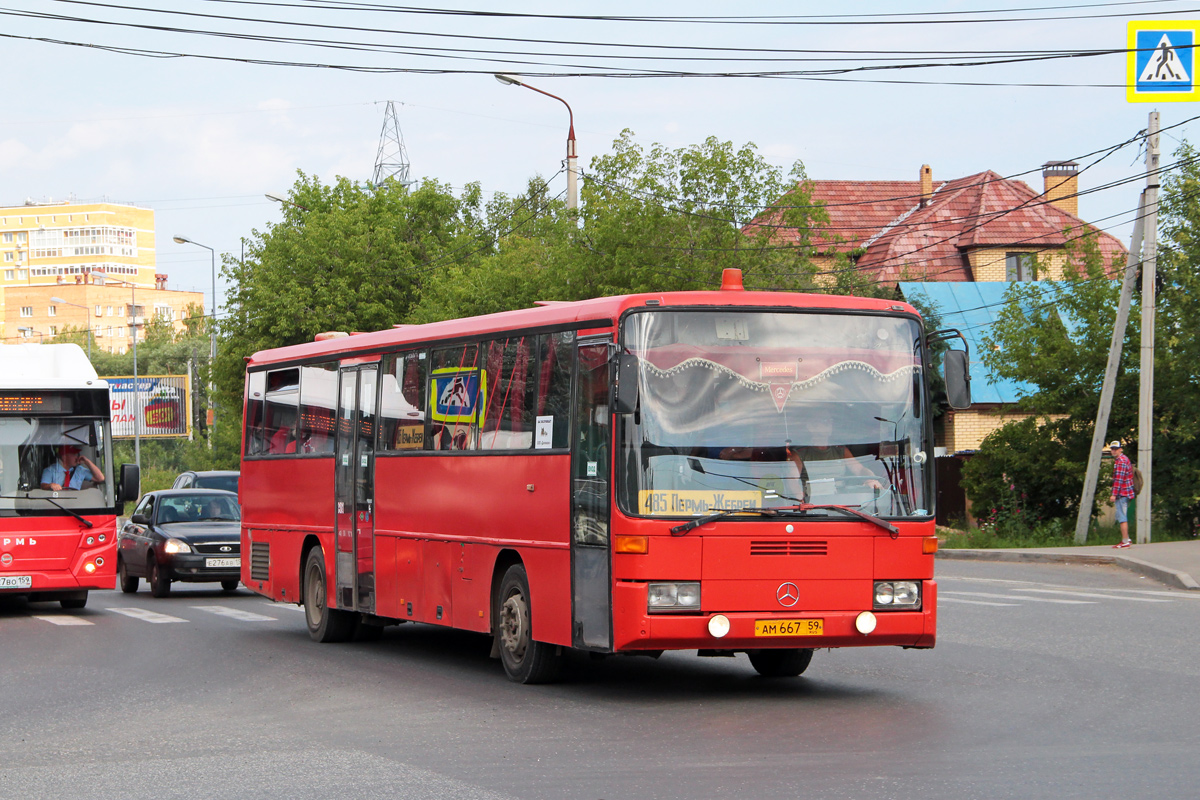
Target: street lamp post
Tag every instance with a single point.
(87, 320)
(278, 198)
(212, 327)
(137, 398)
(572, 156)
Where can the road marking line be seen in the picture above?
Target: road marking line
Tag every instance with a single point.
(236, 613)
(1021, 597)
(288, 606)
(943, 599)
(1101, 596)
(62, 619)
(145, 615)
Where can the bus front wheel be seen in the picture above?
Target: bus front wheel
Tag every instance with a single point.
(77, 600)
(524, 660)
(780, 663)
(325, 624)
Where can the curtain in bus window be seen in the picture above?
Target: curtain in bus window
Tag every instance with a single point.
(279, 421)
(555, 355)
(255, 400)
(402, 402)
(318, 397)
(508, 416)
(457, 395)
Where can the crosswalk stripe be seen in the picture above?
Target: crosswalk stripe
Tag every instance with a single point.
(145, 615)
(944, 599)
(1100, 596)
(63, 619)
(236, 613)
(1020, 597)
(288, 606)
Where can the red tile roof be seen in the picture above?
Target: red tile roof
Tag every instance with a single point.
(899, 239)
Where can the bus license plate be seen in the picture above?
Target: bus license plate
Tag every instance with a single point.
(789, 627)
(218, 563)
(16, 581)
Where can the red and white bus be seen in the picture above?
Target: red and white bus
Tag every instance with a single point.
(721, 471)
(58, 495)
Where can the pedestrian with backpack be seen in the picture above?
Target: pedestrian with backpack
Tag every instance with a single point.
(1122, 489)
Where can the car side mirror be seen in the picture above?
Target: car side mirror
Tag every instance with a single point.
(130, 487)
(625, 393)
(958, 378)
(140, 519)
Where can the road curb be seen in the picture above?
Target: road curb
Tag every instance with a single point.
(1171, 577)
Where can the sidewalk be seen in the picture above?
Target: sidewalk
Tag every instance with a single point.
(1173, 563)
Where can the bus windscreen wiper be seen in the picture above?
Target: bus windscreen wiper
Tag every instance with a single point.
(53, 502)
(680, 530)
(854, 512)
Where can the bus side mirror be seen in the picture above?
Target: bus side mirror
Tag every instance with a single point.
(958, 378)
(130, 487)
(625, 393)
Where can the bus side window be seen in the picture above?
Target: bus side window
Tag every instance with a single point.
(255, 401)
(279, 424)
(402, 402)
(457, 394)
(555, 355)
(318, 395)
(508, 417)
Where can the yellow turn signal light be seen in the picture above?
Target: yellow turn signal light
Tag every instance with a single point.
(929, 545)
(89, 568)
(632, 544)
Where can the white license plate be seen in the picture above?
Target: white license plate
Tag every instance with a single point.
(219, 563)
(16, 581)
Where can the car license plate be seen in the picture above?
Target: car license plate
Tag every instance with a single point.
(789, 627)
(16, 581)
(218, 563)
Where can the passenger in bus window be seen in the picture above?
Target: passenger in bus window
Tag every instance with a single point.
(71, 470)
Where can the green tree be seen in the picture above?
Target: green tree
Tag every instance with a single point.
(1056, 338)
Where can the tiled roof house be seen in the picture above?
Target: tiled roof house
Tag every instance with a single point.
(955, 244)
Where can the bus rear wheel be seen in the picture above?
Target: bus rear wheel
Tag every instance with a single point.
(325, 624)
(780, 663)
(524, 660)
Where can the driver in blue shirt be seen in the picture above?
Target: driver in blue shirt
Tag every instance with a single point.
(70, 471)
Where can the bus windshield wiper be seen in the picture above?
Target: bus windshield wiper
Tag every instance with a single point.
(53, 502)
(854, 512)
(681, 530)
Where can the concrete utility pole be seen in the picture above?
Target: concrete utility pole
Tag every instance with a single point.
(1149, 279)
(1100, 432)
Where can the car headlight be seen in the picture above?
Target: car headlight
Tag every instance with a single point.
(177, 546)
(897, 595)
(674, 596)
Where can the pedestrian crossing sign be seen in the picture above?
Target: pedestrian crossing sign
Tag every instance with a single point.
(1160, 62)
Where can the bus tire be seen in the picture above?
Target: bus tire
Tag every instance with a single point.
(325, 624)
(74, 602)
(524, 660)
(129, 583)
(160, 584)
(780, 663)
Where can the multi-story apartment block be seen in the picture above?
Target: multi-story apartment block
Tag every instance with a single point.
(82, 265)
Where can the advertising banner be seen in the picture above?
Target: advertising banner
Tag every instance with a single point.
(162, 403)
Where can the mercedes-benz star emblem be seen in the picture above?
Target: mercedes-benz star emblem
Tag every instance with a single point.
(787, 594)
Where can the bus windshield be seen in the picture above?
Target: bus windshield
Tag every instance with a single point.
(68, 452)
(768, 409)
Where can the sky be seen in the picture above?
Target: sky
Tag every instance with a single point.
(197, 108)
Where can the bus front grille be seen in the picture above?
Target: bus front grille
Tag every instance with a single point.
(788, 548)
(260, 561)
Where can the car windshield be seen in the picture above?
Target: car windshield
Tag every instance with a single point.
(198, 508)
(49, 464)
(762, 409)
(226, 483)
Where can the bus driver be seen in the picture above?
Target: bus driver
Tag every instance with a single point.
(820, 431)
(70, 470)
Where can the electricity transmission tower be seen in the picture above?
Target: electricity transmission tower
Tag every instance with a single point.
(392, 159)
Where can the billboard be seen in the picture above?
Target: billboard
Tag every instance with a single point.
(164, 401)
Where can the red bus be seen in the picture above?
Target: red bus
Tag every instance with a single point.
(721, 471)
(58, 504)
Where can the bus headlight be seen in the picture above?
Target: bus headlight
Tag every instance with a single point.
(897, 595)
(673, 596)
(177, 546)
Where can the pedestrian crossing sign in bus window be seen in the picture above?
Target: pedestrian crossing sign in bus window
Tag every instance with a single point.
(1161, 65)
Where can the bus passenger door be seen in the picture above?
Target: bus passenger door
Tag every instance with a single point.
(590, 559)
(354, 489)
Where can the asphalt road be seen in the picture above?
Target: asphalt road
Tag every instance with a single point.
(1047, 681)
